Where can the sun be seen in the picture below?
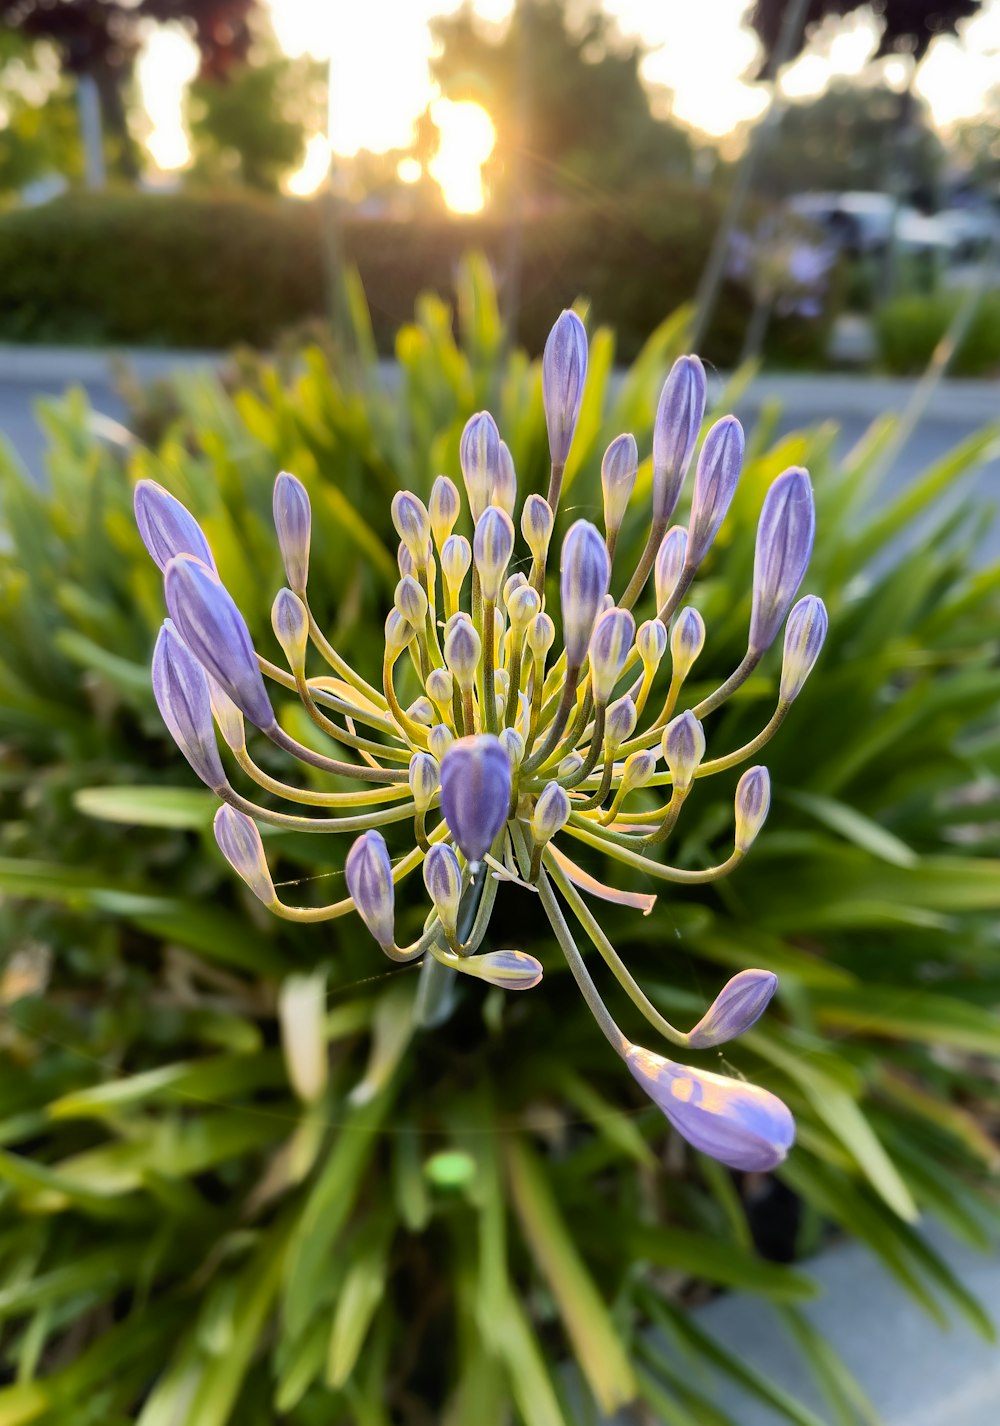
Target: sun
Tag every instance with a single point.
(467, 140)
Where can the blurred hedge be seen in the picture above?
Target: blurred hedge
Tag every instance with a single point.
(909, 328)
(189, 270)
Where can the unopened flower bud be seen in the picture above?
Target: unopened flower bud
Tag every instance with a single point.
(456, 557)
(584, 574)
(513, 745)
(805, 633)
(570, 765)
(216, 633)
(413, 525)
(651, 643)
(479, 456)
(564, 371)
(719, 466)
(609, 648)
(522, 606)
(405, 560)
(443, 880)
(513, 583)
(167, 527)
(785, 535)
(228, 718)
(618, 472)
(687, 639)
(551, 813)
(620, 722)
(509, 970)
(475, 793)
(753, 801)
(180, 686)
(424, 779)
(541, 635)
(440, 686)
(240, 844)
(463, 649)
(675, 431)
(439, 740)
(443, 509)
(293, 526)
(670, 559)
(492, 547)
(398, 633)
(368, 871)
(739, 1004)
(290, 623)
(639, 767)
(505, 485)
(411, 601)
(537, 520)
(683, 745)
(421, 711)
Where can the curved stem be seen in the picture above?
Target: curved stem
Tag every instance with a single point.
(617, 845)
(337, 662)
(372, 717)
(366, 797)
(318, 824)
(738, 677)
(646, 561)
(341, 735)
(288, 744)
(558, 724)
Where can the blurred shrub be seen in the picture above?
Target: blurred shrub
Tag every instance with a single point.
(190, 270)
(182, 1241)
(909, 328)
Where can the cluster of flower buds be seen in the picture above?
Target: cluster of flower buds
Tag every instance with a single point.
(533, 725)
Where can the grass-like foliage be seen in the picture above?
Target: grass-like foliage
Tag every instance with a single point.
(209, 1218)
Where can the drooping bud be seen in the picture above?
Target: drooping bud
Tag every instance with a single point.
(551, 813)
(564, 371)
(475, 793)
(293, 526)
(687, 639)
(670, 559)
(584, 574)
(675, 430)
(412, 524)
(228, 718)
(167, 527)
(492, 547)
(753, 801)
(180, 686)
(240, 844)
(443, 880)
(683, 745)
(541, 635)
(618, 472)
(739, 1004)
(715, 480)
(369, 881)
(216, 633)
(398, 633)
(620, 722)
(411, 601)
(785, 536)
(440, 686)
(609, 648)
(570, 765)
(479, 456)
(740, 1124)
(638, 769)
(805, 634)
(443, 509)
(537, 520)
(509, 970)
(463, 649)
(421, 711)
(423, 779)
(456, 557)
(290, 623)
(513, 746)
(505, 485)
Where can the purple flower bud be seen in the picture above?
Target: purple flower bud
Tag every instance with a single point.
(522, 605)
(609, 648)
(443, 508)
(675, 430)
(785, 535)
(456, 557)
(216, 633)
(537, 520)
(479, 456)
(423, 779)
(584, 574)
(421, 711)
(475, 793)
(167, 527)
(293, 524)
(551, 812)
(398, 633)
(670, 559)
(687, 639)
(462, 651)
(639, 768)
(439, 740)
(180, 686)
(412, 524)
(714, 485)
(440, 686)
(618, 472)
(290, 623)
(228, 718)
(805, 633)
(651, 642)
(505, 485)
(753, 802)
(683, 745)
(510, 970)
(443, 880)
(405, 560)
(240, 844)
(541, 635)
(740, 1124)
(411, 601)
(739, 1004)
(620, 723)
(513, 746)
(369, 880)
(564, 371)
(492, 547)
(570, 765)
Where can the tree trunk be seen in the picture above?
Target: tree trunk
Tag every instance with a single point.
(109, 89)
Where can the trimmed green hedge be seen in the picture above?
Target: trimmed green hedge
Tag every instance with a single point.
(909, 328)
(196, 271)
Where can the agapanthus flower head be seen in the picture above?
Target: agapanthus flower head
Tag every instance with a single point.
(501, 742)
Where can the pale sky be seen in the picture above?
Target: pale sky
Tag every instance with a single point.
(380, 81)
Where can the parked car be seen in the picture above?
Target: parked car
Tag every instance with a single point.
(862, 223)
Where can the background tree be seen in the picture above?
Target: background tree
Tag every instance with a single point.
(565, 97)
(39, 133)
(907, 26)
(100, 39)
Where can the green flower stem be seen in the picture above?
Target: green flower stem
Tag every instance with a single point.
(340, 665)
(436, 990)
(593, 752)
(322, 695)
(558, 724)
(359, 771)
(666, 613)
(607, 777)
(413, 732)
(735, 680)
(646, 561)
(510, 712)
(341, 735)
(556, 473)
(610, 956)
(364, 797)
(430, 629)
(489, 703)
(294, 823)
(619, 846)
(400, 872)
(477, 624)
(669, 819)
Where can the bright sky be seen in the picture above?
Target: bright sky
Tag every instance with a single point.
(380, 81)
